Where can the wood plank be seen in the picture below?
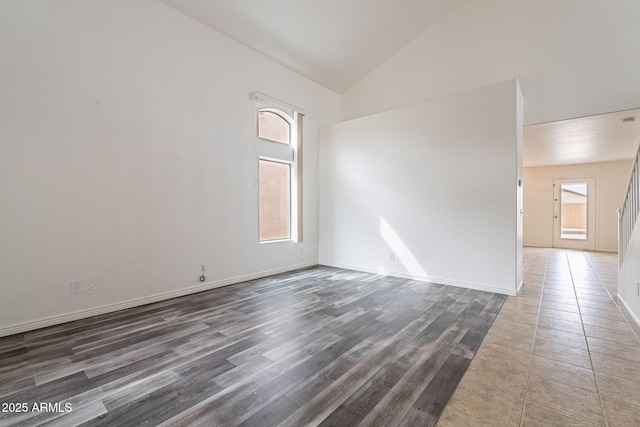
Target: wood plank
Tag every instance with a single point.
(319, 345)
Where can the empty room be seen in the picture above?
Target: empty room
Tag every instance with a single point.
(297, 213)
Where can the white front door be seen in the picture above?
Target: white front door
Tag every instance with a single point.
(574, 213)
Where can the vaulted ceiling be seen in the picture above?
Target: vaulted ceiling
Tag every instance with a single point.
(338, 42)
(333, 42)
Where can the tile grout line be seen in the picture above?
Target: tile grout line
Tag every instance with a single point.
(593, 371)
(533, 343)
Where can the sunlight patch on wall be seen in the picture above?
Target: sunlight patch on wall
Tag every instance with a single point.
(401, 251)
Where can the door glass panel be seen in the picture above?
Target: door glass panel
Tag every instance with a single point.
(573, 211)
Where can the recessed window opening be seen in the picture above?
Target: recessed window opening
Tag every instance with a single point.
(279, 169)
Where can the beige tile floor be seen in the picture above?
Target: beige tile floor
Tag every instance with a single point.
(564, 352)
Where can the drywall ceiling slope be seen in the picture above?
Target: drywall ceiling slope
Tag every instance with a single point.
(601, 138)
(333, 42)
(573, 58)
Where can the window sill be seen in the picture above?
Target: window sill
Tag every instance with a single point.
(264, 242)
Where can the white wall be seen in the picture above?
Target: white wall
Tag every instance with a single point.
(611, 183)
(629, 275)
(435, 183)
(571, 57)
(520, 188)
(126, 157)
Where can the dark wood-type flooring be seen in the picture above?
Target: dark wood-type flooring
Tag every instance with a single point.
(319, 346)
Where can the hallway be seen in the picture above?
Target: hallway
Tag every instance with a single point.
(563, 352)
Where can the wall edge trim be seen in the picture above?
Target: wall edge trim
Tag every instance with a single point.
(83, 314)
(631, 313)
(440, 281)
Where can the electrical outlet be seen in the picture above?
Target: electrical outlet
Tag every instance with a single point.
(77, 287)
(392, 256)
(90, 290)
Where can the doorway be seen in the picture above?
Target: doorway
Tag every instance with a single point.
(574, 213)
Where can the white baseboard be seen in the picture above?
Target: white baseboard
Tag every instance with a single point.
(83, 314)
(551, 247)
(441, 281)
(631, 313)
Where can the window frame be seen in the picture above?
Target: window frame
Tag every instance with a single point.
(275, 151)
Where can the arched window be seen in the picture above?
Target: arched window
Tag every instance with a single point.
(274, 127)
(279, 149)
